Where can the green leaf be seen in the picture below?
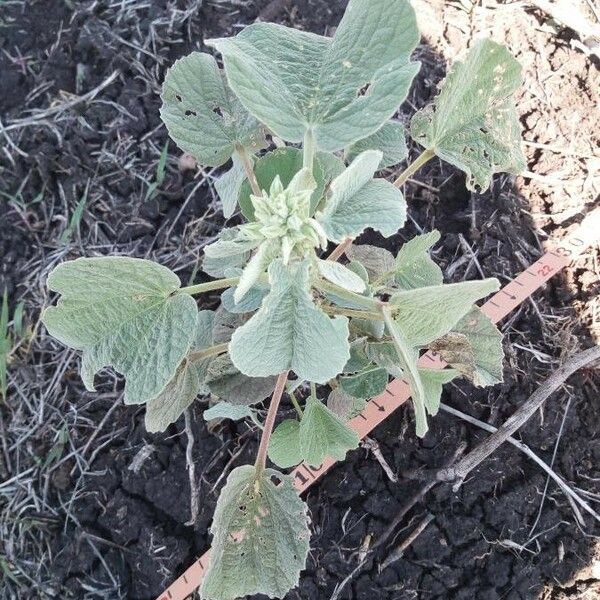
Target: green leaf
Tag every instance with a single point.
(287, 162)
(358, 359)
(290, 332)
(433, 381)
(284, 446)
(202, 115)
(368, 383)
(226, 382)
(225, 254)
(226, 410)
(251, 300)
(486, 343)
(340, 275)
(379, 262)
(358, 202)
(407, 359)
(228, 186)
(344, 405)
(428, 313)
(343, 89)
(390, 140)
(384, 354)
(187, 383)
(323, 434)
(123, 312)
(414, 267)
(473, 123)
(261, 537)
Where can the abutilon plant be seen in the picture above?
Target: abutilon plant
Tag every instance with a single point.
(285, 307)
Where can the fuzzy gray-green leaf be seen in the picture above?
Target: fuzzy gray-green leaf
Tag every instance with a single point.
(284, 446)
(228, 186)
(390, 140)
(414, 266)
(187, 383)
(201, 113)
(433, 381)
(428, 313)
(123, 312)
(226, 410)
(368, 383)
(342, 88)
(323, 434)
(358, 202)
(291, 332)
(260, 537)
(473, 123)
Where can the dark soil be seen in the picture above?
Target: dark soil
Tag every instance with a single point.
(106, 516)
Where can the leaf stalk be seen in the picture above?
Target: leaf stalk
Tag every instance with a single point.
(209, 286)
(423, 158)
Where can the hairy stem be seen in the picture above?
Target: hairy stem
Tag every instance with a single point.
(208, 352)
(309, 148)
(249, 169)
(209, 286)
(261, 455)
(350, 312)
(296, 403)
(332, 288)
(423, 158)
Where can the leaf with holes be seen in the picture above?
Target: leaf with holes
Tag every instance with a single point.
(291, 332)
(323, 434)
(390, 140)
(125, 313)
(188, 381)
(342, 89)
(260, 537)
(358, 202)
(473, 123)
(202, 115)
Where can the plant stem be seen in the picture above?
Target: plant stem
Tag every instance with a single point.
(296, 403)
(261, 455)
(209, 286)
(350, 312)
(309, 147)
(340, 249)
(208, 352)
(249, 169)
(424, 157)
(332, 288)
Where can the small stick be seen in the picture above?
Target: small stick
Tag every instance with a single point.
(399, 551)
(373, 446)
(191, 466)
(459, 472)
(340, 249)
(249, 169)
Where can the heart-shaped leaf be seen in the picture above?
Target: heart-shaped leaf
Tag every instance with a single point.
(323, 434)
(473, 123)
(342, 89)
(123, 312)
(358, 202)
(291, 332)
(261, 537)
(202, 115)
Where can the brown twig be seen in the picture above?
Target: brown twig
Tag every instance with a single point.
(399, 551)
(459, 472)
(191, 466)
(340, 249)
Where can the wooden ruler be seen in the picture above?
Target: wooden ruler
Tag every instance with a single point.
(398, 391)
